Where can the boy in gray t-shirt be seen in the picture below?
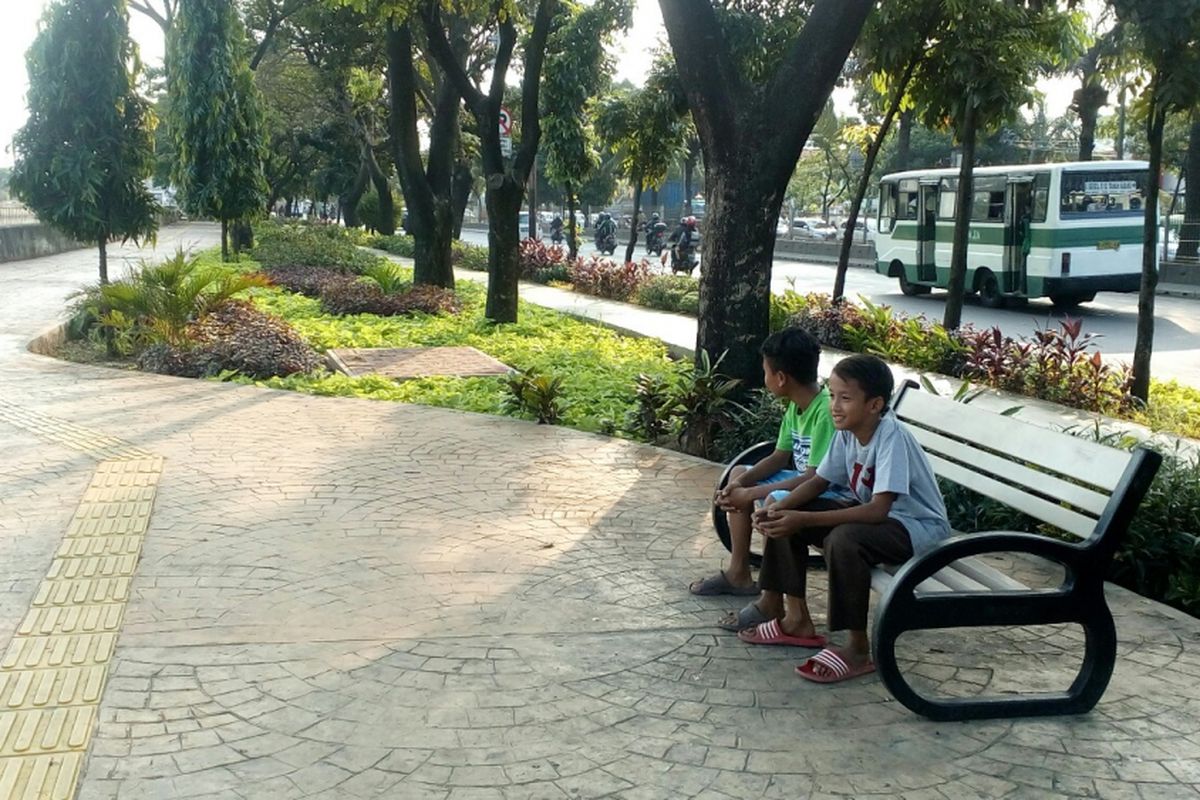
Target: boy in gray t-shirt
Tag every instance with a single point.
(899, 511)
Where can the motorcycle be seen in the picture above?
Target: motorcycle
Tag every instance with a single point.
(656, 239)
(685, 254)
(606, 242)
(556, 235)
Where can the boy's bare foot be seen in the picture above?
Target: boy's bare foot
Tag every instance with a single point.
(834, 664)
(724, 583)
(794, 627)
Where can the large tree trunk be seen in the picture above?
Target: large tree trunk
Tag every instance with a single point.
(735, 279)
(103, 259)
(1143, 347)
(504, 243)
(957, 287)
(572, 232)
(428, 188)
(750, 140)
(224, 240)
(1189, 234)
(633, 227)
(864, 183)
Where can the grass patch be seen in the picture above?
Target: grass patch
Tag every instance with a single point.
(597, 366)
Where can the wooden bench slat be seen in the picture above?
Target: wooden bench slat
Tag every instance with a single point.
(1052, 513)
(1013, 471)
(991, 577)
(1068, 455)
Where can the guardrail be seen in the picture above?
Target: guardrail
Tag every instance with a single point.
(16, 214)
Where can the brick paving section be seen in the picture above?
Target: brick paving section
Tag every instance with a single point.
(347, 599)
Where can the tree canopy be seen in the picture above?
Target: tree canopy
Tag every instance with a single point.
(87, 148)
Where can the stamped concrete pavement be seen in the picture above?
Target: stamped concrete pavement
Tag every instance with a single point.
(339, 598)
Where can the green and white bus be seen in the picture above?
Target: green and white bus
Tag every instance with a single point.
(1063, 231)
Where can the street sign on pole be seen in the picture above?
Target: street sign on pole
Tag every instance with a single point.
(505, 122)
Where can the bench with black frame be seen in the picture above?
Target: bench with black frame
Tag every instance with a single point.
(1075, 485)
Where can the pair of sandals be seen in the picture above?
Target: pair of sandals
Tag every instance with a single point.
(827, 666)
(752, 626)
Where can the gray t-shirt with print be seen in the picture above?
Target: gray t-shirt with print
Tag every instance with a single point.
(891, 462)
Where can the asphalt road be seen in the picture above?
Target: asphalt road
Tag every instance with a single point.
(1111, 316)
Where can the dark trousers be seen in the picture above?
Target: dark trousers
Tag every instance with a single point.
(851, 550)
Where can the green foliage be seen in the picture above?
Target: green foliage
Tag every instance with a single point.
(290, 244)
(469, 256)
(913, 341)
(643, 128)
(534, 394)
(1172, 407)
(390, 278)
(370, 214)
(82, 156)
(597, 366)
(676, 293)
(577, 68)
(693, 403)
(1168, 35)
(157, 302)
(397, 244)
(784, 306)
(755, 420)
(214, 113)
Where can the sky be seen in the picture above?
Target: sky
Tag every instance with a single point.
(633, 61)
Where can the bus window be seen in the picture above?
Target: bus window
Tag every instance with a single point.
(947, 198)
(887, 206)
(1041, 196)
(988, 201)
(1108, 192)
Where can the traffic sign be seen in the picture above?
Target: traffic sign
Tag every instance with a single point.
(506, 122)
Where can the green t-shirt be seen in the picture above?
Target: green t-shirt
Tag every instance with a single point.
(807, 434)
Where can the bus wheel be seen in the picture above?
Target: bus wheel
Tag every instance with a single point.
(989, 290)
(1071, 300)
(911, 289)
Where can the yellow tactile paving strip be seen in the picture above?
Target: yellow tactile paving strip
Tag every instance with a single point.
(52, 675)
(68, 434)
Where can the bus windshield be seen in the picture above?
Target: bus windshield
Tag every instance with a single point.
(1109, 192)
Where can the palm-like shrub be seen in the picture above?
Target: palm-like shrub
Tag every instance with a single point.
(156, 302)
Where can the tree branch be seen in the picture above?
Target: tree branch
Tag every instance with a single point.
(705, 65)
(443, 53)
(531, 127)
(814, 61)
(153, 13)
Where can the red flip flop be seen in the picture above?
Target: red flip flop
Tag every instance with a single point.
(771, 633)
(835, 668)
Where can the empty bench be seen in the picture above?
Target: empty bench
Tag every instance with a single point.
(1074, 485)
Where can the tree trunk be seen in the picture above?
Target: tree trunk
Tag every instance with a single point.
(903, 141)
(735, 277)
(434, 248)
(1088, 100)
(103, 259)
(349, 201)
(533, 202)
(224, 240)
(572, 232)
(689, 168)
(460, 194)
(864, 183)
(504, 242)
(957, 286)
(633, 226)
(1189, 233)
(1121, 113)
(1143, 346)
(387, 207)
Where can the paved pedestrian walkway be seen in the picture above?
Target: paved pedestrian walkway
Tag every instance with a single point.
(257, 594)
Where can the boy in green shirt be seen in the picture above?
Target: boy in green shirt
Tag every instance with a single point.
(790, 359)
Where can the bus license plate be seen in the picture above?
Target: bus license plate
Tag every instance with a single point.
(1108, 244)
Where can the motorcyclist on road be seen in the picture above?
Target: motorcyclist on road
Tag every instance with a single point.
(605, 226)
(683, 239)
(556, 229)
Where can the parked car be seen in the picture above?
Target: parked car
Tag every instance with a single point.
(862, 231)
(812, 228)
